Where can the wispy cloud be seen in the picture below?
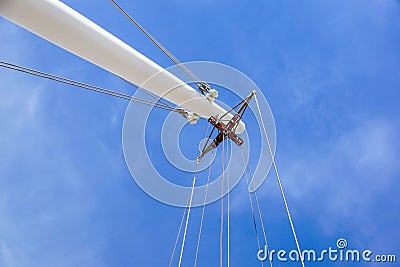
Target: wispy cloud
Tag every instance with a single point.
(43, 192)
(343, 181)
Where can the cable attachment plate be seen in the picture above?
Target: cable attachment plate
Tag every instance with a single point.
(204, 87)
(212, 95)
(190, 116)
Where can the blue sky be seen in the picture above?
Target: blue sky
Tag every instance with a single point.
(329, 70)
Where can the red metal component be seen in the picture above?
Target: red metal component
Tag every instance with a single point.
(227, 130)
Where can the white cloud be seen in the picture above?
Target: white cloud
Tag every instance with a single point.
(45, 194)
(5, 256)
(341, 183)
(338, 183)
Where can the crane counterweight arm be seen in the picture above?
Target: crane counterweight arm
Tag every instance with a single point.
(63, 26)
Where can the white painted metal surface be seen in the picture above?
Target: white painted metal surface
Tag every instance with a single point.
(65, 27)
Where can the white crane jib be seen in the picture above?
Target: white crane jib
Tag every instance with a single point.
(68, 29)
